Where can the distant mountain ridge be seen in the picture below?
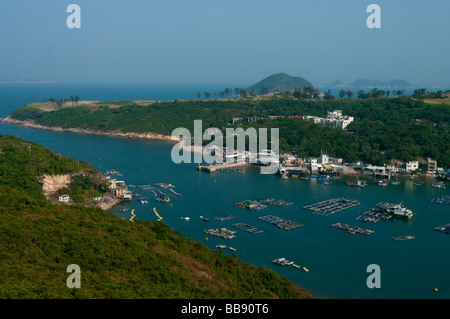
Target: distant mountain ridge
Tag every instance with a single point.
(369, 83)
(279, 82)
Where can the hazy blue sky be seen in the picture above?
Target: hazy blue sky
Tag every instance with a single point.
(233, 41)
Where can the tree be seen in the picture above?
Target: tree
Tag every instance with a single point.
(76, 99)
(349, 93)
(206, 94)
(342, 94)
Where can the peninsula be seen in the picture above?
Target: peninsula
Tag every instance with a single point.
(401, 128)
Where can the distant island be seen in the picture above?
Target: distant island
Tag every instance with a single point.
(369, 84)
(279, 82)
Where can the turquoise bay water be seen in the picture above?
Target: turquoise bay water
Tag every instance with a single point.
(337, 260)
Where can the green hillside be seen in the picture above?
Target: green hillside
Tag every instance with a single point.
(117, 258)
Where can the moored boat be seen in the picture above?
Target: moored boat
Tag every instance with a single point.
(396, 210)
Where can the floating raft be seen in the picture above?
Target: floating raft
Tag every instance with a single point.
(156, 213)
(248, 228)
(250, 204)
(174, 192)
(367, 219)
(441, 200)
(444, 228)
(403, 237)
(145, 187)
(282, 262)
(377, 213)
(164, 185)
(222, 218)
(353, 229)
(276, 202)
(280, 222)
(331, 206)
(221, 232)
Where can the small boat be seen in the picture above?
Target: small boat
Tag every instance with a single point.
(296, 266)
(204, 218)
(382, 183)
(185, 218)
(439, 185)
(221, 246)
(305, 269)
(233, 249)
(395, 182)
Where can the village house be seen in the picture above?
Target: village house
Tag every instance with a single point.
(64, 198)
(412, 166)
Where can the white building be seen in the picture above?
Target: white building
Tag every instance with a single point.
(333, 119)
(412, 166)
(64, 198)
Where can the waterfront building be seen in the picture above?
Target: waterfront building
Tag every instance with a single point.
(431, 165)
(412, 166)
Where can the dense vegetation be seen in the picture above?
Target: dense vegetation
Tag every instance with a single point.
(23, 165)
(400, 128)
(117, 258)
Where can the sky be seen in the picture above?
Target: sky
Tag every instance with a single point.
(233, 41)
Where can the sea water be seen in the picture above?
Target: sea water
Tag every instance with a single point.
(337, 261)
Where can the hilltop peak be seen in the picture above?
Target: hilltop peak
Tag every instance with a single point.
(279, 82)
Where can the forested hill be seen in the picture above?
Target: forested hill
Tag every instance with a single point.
(117, 258)
(279, 82)
(400, 128)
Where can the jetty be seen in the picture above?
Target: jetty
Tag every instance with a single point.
(221, 232)
(280, 222)
(331, 206)
(352, 229)
(248, 228)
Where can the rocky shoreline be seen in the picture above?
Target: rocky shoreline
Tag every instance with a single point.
(117, 133)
